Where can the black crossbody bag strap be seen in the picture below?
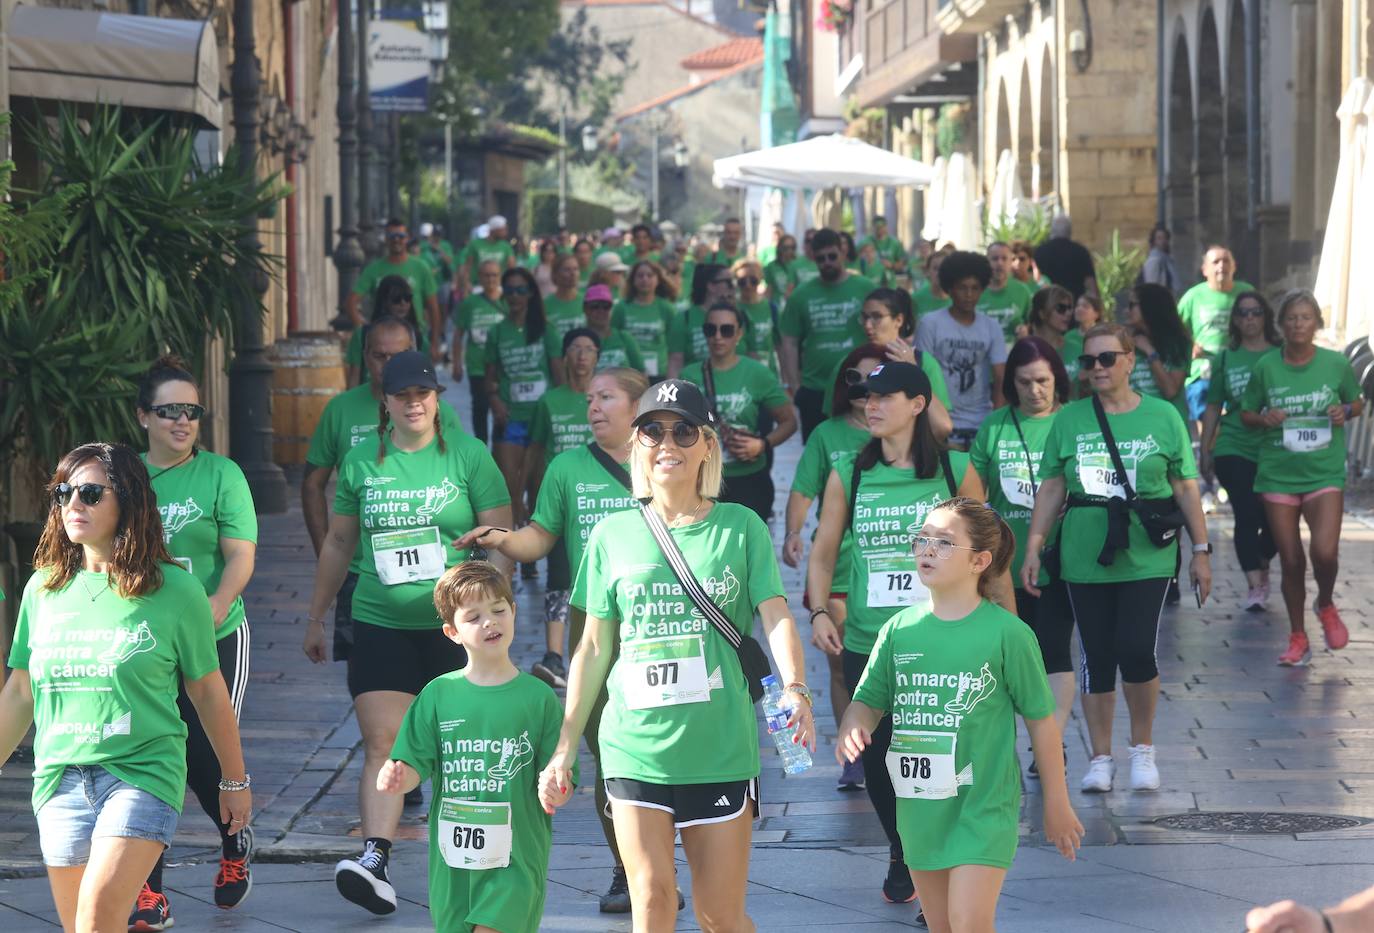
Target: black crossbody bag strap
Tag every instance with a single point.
(1030, 465)
(1111, 448)
(949, 474)
(708, 382)
(678, 564)
(854, 478)
(618, 471)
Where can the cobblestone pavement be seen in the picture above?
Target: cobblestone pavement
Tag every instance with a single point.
(1234, 733)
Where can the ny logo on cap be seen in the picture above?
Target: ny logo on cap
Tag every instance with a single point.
(667, 393)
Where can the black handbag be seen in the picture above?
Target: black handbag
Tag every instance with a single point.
(752, 661)
(1051, 558)
(1161, 518)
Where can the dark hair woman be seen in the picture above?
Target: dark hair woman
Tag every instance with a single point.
(518, 374)
(108, 629)
(1163, 346)
(393, 298)
(646, 312)
(711, 283)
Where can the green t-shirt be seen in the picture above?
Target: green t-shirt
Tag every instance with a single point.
(1143, 381)
(742, 392)
(1231, 371)
(701, 728)
(889, 511)
(619, 349)
(824, 319)
(1206, 313)
(831, 440)
(436, 497)
(926, 303)
(201, 501)
(1007, 306)
(954, 689)
(475, 317)
(686, 337)
(560, 421)
(353, 355)
(802, 270)
(440, 258)
(560, 317)
(1154, 448)
(888, 247)
(761, 333)
(927, 361)
(104, 673)
(488, 250)
(522, 368)
(484, 745)
(999, 458)
(648, 325)
(1306, 452)
(779, 279)
(875, 272)
(350, 418)
(413, 269)
(576, 494)
(1073, 349)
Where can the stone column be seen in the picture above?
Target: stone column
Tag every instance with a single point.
(1302, 216)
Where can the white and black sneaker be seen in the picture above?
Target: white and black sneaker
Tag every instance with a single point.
(551, 670)
(364, 881)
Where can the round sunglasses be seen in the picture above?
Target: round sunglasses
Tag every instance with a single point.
(89, 493)
(652, 433)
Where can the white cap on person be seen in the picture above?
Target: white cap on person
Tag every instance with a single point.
(496, 222)
(426, 229)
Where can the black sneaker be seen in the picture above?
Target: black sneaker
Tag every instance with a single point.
(235, 879)
(151, 912)
(415, 797)
(1174, 595)
(616, 900)
(898, 887)
(551, 670)
(529, 571)
(364, 881)
(1034, 771)
(851, 777)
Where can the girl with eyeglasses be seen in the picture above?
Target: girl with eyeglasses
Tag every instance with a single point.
(210, 528)
(752, 298)
(1230, 450)
(646, 312)
(953, 674)
(679, 756)
(880, 496)
(1300, 400)
(109, 630)
(711, 284)
(1117, 576)
(739, 390)
(394, 298)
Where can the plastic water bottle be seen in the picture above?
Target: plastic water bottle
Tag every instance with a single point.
(777, 709)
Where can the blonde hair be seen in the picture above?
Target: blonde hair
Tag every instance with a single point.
(1121, 332)
(710, 478)
(631, 381)
(467, 584)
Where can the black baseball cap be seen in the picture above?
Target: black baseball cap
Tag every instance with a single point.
(679, 397)
(907, 378)
(409, 370)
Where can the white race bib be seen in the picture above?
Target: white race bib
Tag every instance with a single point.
(664, 672)
(409, 555)
(1307, 433)
(528, 391)
(478, 335)
(892, 581)
(1016, 484)
(1099, 476)
(651, 365)
(921, 764)
(474, 836)
(185, 562)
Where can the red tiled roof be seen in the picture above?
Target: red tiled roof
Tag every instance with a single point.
(735, 52)
(689, 88)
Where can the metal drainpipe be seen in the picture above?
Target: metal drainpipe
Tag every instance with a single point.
(1254, 164)
(1161, 114)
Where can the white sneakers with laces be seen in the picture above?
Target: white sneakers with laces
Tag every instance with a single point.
(1098, 780)
(1144, 773)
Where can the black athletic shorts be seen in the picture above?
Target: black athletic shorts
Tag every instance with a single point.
(399, 659)
(690, 804)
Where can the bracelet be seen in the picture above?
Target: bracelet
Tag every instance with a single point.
(1326, 922)
(817, 612)
(801, 690)
(791, 534)
(319, 622)
(228, 785)
(1349, 410)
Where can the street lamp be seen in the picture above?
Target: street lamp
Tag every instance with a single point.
(681, 158)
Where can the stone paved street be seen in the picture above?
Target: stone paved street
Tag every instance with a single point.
(1234, 732)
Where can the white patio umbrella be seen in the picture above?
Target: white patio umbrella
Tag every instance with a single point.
(821, 162)
(959, 214)
(1359, 302)
(933, 205)
(1007, 199)
(1335, 286)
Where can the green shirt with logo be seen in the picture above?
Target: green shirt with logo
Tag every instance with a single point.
(479, 251)
(411, 507)
(1231, 371)
(483, 748)
(560, 317)
(802, 270)
(1010, 470)
(201, 501)
(617, 349)
(1154, 448)
(831, 440)
(954, 689)
(679, 710)
(1007, 306)
(1072, 350)
(522, 368)
(476, 317)
(779, 279)
(1306, 452)
(418, 273)
(648, 325)
(742, 392)
(762, 333)
(685, 336)
(351, 418)
(104, 673)
(889, 510)
(926, 302)
(1207, 314)
(1143, 381)
(824, 319)
(576, 494)
(560, 421)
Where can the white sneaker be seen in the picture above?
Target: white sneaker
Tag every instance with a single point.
(1098, 780)
(1144, 774)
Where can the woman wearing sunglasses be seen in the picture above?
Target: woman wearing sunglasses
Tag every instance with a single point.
(680, 757)
(394, 298)
(1050, 318)
(398, 506)
(645, 314)
(739, 390)
(109, 630)
(1117, 577)
(518, 374)
(617, 348)
(1163, 347)
(711, 284)
(1300, 400)
(753, 300)
(1230, 450)
(880, 496)
(210, 528)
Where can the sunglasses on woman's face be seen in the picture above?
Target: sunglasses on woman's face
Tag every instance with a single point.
(90, 493)
(401, 299)
(730, 283)
(175, 410)
(748, 281)
(1250, 311)
(1106, 359)
(725, 330)
(652, 433)
(520, 291)
(1063, 308)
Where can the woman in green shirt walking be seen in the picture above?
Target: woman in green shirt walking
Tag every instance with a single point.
(753, 300)
(1231, 450)
(1300, 399)
(646, 312)
(711, 284)
(394, 298)
(211, 529)
(108, 630)
(1163, 347)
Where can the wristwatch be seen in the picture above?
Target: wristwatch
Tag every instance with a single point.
(1202, 548)
(1153, 357)
(802, 691)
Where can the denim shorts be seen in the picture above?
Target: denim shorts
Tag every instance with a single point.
(515, 432)
(91, 803)
(1196, 393)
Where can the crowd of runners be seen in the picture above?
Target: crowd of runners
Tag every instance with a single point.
(997, 457)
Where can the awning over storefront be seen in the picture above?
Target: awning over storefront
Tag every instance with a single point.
(137, 61)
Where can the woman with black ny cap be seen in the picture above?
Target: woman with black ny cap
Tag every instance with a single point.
(679, 753)
(398, 508)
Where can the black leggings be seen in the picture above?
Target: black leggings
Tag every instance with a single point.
(1051, 619)
(1254, 544)
(1118, 627)
(480, 406)
(876, 778)
(811, 407)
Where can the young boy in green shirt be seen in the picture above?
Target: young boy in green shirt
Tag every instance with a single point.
(481, 735)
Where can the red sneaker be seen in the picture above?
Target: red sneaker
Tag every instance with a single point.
(1298, 653)
(1337, 636)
